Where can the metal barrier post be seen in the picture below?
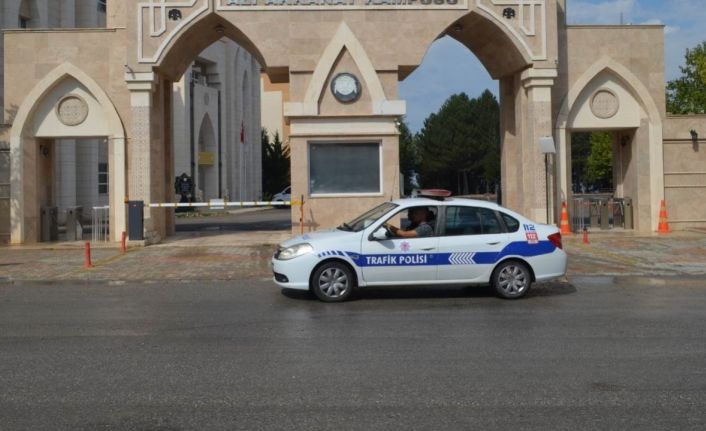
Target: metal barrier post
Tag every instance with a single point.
(136, 215)
(123, 243)
(100, 224)
(618, 213)
(49, 227)
(94, 223)
(628, 214)
(604, 215)
(87, 256)
(301, 215)
(595, 213)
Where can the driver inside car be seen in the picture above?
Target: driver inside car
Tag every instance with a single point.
(420, 218)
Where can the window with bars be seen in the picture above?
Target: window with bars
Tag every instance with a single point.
(102, 178)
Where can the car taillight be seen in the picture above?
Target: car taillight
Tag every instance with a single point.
(555, 239)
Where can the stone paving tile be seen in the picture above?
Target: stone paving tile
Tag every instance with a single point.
(623, 255)
(34, 264)
(151, 263)
(679, 253)
(240, 239)
(192, 263)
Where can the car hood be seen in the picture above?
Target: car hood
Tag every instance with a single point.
(318, 238)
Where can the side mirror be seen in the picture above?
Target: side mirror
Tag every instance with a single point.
(379, 234)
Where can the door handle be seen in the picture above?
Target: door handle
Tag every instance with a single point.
(428, 249)
(494, 243)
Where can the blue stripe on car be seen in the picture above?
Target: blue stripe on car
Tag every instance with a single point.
(520, 248)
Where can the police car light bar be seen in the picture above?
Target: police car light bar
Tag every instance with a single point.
(438, 194)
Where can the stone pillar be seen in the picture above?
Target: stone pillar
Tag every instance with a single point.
(24, 196)
(563, 192)
(142, 160)
(510, 144)
(117, 172)
(537, 84)
(65, 166)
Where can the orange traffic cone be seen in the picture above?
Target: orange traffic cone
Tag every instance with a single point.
(565, 228)
(585, 236)
(663, 224)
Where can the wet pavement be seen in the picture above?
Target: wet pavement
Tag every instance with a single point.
(586, 355)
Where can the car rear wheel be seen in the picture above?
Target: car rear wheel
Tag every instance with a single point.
(332, 282)
(511, 279)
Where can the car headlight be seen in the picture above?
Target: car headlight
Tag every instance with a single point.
(294, 251)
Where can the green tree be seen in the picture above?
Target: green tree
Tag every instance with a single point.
(599, 165)
(687, 94)
(580, 150)
(275, 164)
(409, 156)
(460, 145)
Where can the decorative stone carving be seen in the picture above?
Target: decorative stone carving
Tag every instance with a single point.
(526, 19)
(152, 25)
(509, 13)
(604, 104)
(72, 110)
(174, 15)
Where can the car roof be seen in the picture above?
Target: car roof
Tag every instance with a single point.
(447, 201)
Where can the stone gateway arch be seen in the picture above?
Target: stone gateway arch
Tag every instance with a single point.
(342, 61)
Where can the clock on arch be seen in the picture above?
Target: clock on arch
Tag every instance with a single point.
(345, 87)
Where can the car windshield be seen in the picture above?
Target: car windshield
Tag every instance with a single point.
(370, 217)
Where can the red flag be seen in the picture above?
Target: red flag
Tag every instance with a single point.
(242, 132)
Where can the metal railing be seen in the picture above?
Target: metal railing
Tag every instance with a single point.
(602, 212)
(100, 229)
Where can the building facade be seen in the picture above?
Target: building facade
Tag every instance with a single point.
(341, 64)
(216, 124)
(216, 121)
(79, 165)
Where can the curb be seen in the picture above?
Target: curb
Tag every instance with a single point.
(117, 283)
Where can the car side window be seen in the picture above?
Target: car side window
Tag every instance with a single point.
(471, 221)
(402, 217)
(511, 223)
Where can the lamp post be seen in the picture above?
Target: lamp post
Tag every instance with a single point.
(547, 147)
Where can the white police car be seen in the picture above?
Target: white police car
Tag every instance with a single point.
(472, 242)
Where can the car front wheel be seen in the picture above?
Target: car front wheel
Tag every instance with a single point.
(332, 282)
(511, 280)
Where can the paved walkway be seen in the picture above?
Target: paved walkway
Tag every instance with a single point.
(247, 255)
(679, 253)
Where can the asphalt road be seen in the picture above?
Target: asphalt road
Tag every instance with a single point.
(269, 219)
(587, 355)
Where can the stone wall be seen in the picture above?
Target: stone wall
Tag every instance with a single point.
(640, 49)
(685, 171)
(56, 47)
(625, 65)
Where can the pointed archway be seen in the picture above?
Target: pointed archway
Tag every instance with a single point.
(648, 195)
(24, 148)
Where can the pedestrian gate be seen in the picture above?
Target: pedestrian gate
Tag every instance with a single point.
(602, 212)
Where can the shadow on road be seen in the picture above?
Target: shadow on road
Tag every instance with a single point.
(268, 219)
(439, 292)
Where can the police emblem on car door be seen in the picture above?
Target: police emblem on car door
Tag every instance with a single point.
(399, 260)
